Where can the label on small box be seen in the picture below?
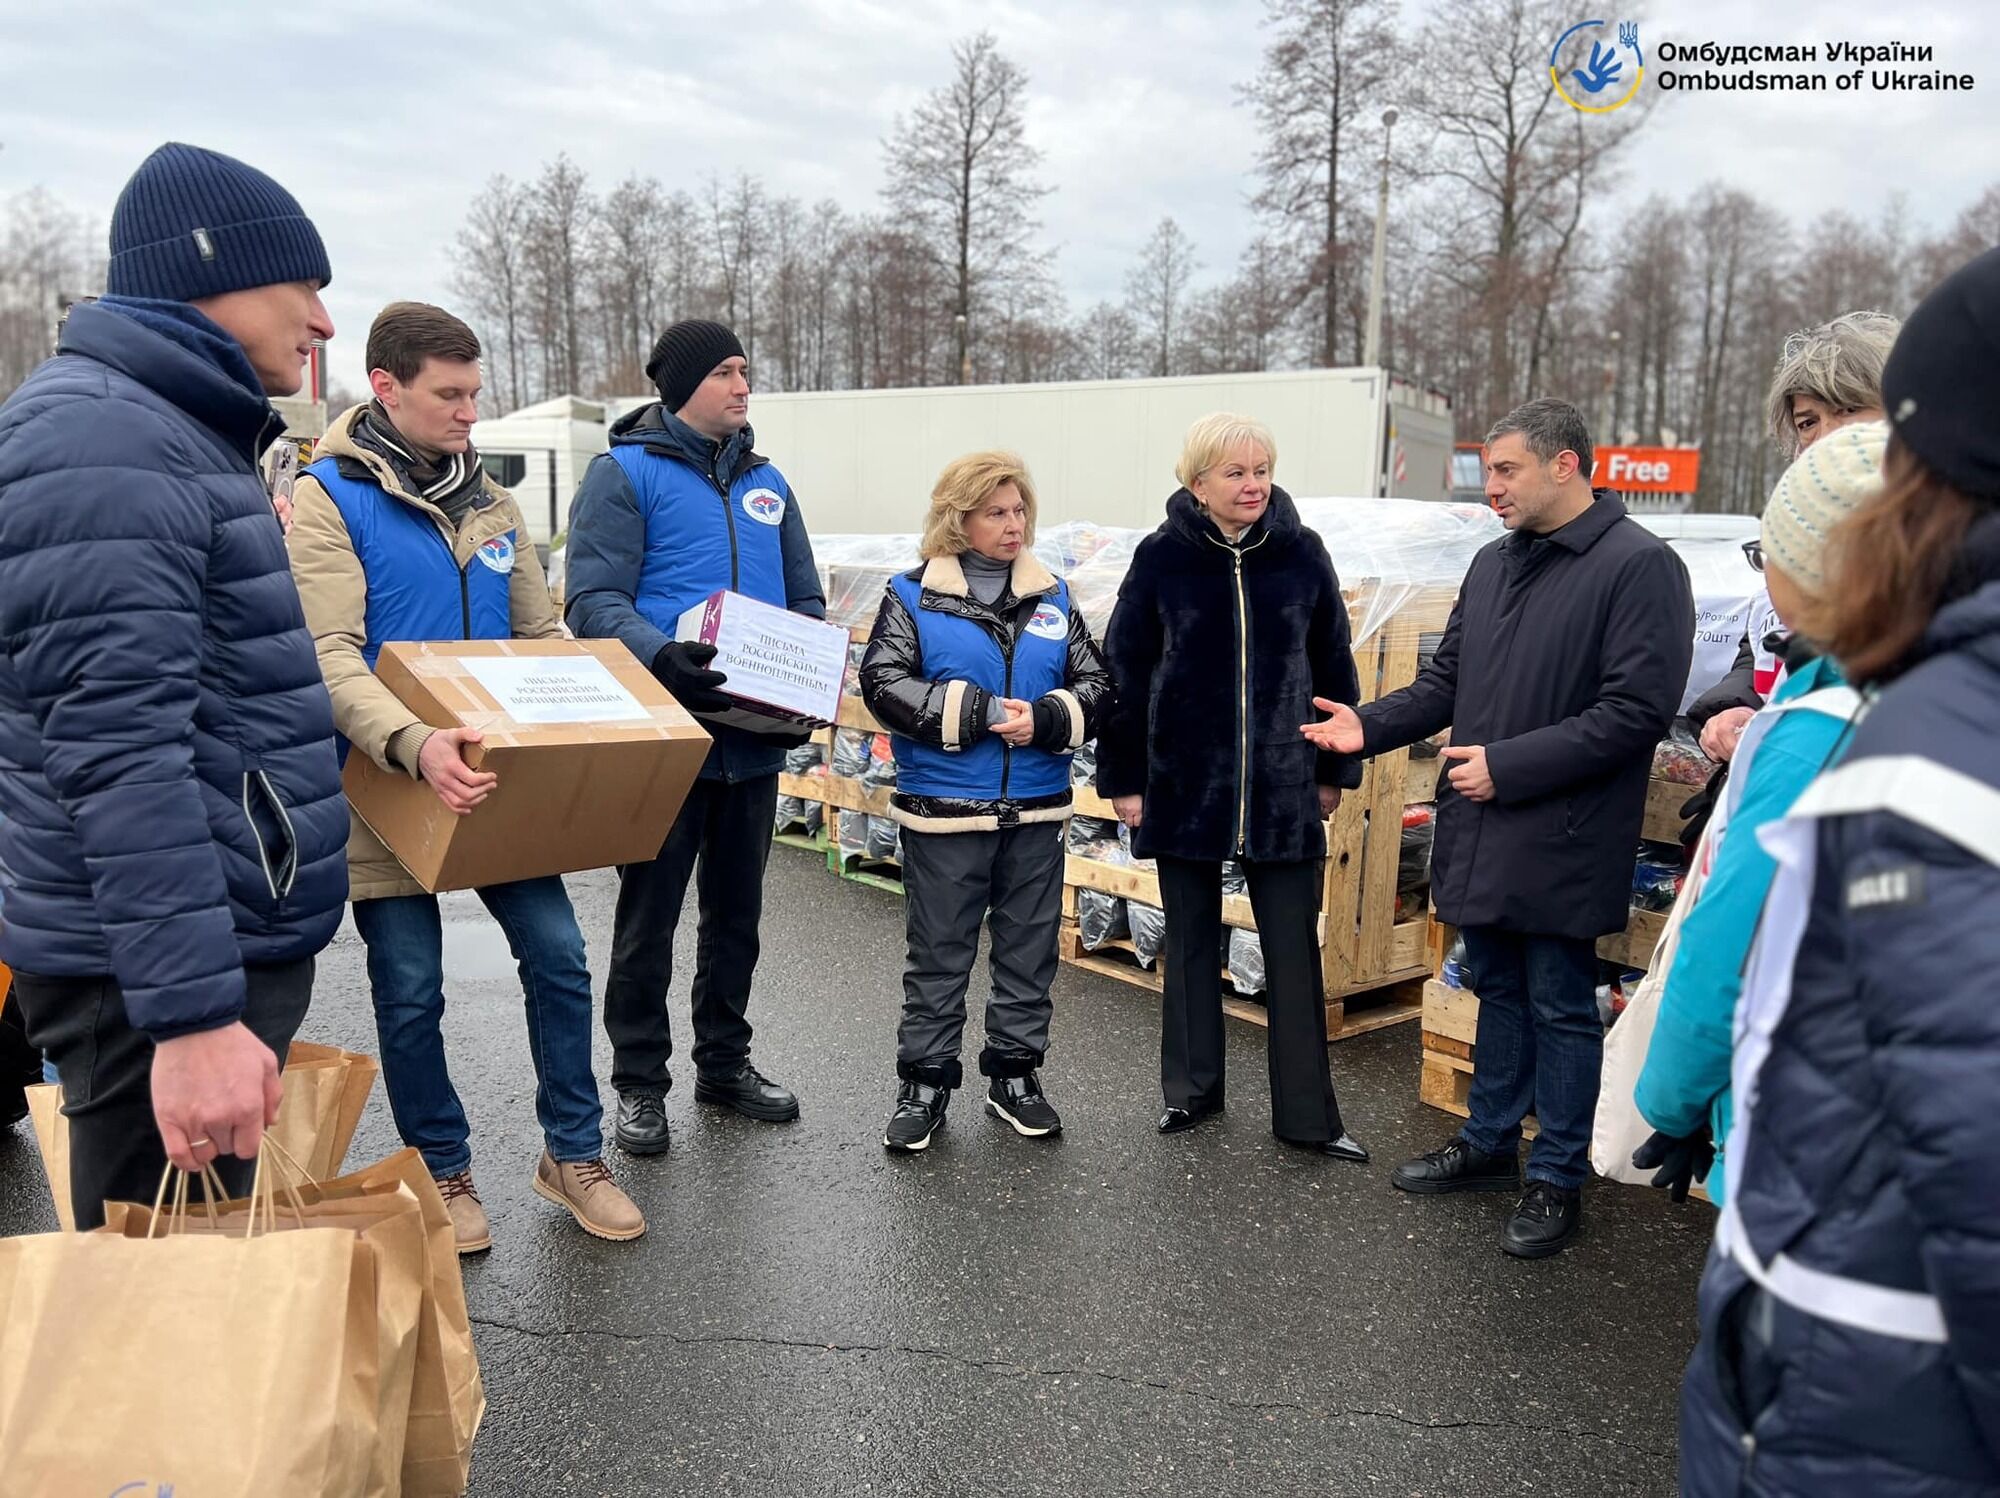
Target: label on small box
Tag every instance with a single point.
(555, 689)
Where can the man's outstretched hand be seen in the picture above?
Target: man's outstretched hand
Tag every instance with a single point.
(1340, 732)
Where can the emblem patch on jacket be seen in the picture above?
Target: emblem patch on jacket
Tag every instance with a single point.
(497, 555)
(1891, 889)
(765, 505)
(1049, 623)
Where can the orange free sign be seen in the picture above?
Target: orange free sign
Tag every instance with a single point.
(1648, 470)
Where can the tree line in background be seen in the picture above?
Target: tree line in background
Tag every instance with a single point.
(1516, 265)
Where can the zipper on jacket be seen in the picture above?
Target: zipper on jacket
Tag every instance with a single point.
(1007, 689)
(728, 515)
(1242, 688)
(464, 582)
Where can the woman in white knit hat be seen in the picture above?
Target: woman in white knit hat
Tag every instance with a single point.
(1683, 1091)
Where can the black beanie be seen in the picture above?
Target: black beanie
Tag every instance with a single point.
(687, 354)
(1941, 384)
(193, 223)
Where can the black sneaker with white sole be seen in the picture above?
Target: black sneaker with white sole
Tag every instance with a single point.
(919, 1114)
(1019, 1101)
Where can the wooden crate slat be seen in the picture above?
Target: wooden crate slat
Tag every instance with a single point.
(1634, 946)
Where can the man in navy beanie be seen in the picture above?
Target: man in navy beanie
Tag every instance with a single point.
(680, 508)
(173, 849)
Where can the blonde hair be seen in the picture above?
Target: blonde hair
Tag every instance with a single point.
(1209, 440)
(965, 485)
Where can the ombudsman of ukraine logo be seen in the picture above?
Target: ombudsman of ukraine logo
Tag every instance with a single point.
(1605, 78)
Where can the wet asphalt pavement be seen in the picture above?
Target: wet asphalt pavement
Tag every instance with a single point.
(1110, 1313)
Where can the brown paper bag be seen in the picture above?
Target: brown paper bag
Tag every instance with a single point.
(387, 1216)
(326, 1090)
(52, 1135)
(191, 1364)
(447, 1396)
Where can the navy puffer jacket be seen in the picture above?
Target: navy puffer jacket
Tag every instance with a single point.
(1874, 1155)
(167, 777)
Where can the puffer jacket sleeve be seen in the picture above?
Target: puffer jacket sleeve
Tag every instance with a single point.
(530, 608)
(1330, 654)
(1132, 645)
(607, 548)
(946, 714)
(1925, 985)
(803, 593)
(333, 589)
(108, 656)
(1069, 716)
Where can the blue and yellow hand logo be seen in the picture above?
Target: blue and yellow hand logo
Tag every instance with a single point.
(1603, 71)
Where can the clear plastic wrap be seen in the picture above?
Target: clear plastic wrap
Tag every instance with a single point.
(851, 752)
(799, 811)
(1100, 919)
(1149, 930)
(854, 569)
(1094, 837)
(1246, 961)
(1413, 872)
(1234, 880)
(1679, 758)
(1389, 551)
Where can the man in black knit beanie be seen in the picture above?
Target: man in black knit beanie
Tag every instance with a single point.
(679, 508)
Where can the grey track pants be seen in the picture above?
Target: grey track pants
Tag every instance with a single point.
(951, 880)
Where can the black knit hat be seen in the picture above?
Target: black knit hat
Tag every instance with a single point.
(687, 354)
(1941, 385)
(194, 223)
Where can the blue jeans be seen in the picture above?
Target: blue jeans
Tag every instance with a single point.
(405, 940)
(1540, 1045)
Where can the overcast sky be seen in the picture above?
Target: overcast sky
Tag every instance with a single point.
(384, 119)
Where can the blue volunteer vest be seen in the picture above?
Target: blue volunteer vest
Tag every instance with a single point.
(699, 542)
(956, 649)
(416, 589)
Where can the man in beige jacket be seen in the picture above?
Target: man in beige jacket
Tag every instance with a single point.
(398, 534)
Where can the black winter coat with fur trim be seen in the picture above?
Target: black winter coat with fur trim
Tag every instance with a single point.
(1214, 680)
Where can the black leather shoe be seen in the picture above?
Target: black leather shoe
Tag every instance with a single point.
(1544, 1222)
(1177, 1120)
(1458, 1167)
(1346, 1147)
(919, 1114)
(1019, 1101)
(750, 1093)
(642, 1124)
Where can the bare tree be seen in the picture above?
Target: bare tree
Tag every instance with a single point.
(1157, 288)
(1108, 338)
(961, 167)
(561, 218)
(627, 255)
(490, 273)
(43, 257)
(1518, 165)
(737, 215)
(1326, 62)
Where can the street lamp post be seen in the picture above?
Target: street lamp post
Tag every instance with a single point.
(1371, 354)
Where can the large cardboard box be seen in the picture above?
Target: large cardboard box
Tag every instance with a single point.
(594, 757)
(784, 669)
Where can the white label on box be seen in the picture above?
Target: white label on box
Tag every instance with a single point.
(771, 656)
(555, 689)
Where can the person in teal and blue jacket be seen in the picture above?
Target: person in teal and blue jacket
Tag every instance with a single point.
(1683, 1090)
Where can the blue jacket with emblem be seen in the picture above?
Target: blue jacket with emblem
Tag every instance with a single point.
(936, 659)
(1872, 1154)
(668, 517)
(171, 802)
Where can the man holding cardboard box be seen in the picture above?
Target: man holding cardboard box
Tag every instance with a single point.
(399, 535)
(680, 509)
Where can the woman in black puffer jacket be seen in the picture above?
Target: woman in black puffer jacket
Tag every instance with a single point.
(1229, 622)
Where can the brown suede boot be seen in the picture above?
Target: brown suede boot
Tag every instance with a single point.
(469, 1231)
(593, 1198)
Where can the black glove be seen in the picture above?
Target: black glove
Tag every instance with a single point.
(1681, 1161)
(683, 670)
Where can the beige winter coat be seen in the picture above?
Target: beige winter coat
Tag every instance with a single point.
(334, 590)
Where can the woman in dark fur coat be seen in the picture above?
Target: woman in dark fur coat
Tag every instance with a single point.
(1229, 622)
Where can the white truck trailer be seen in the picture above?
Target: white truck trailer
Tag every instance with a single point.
(1101, 450)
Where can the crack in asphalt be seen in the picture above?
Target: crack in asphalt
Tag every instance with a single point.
(1020, 1370)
